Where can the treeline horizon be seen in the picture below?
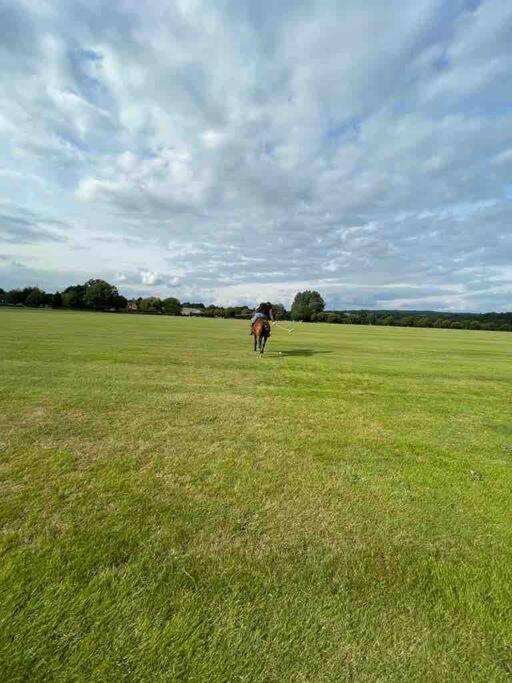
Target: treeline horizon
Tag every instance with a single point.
(308, 306)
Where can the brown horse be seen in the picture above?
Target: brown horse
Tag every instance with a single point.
(260, 332)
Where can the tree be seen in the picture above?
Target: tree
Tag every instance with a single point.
(100, 294)
(407, 321)
(245, 313)
(73, 297)
(35, 298)
(388, 320)
(57, 300)
(189, 304)
(423, 321)
(120, 302)
(171, 306)
(15, 296)
(151, 304)
(3, 296)
(305, 304)
(280, 312)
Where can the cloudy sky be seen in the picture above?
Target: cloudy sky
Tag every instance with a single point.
(234, 150)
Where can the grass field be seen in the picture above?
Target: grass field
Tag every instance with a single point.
(175, 508)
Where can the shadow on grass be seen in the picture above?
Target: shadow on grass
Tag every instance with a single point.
(298, 352)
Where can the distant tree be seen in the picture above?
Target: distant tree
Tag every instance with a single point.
(188, 304)
(15, 296)
(407, 321)
(56, 300)
(171, 306)
(355, 318)
(100, 295)
(388, 320)
(26, 292)
(423, 321)
(305, 304)
(280, 312)
(151, 304)
(73, 297)
(331, 317)
(245, 313)
(35, 298)
(3, 296)
(456, 325)
(120, 302)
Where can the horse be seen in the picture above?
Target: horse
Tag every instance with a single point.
(260, 332)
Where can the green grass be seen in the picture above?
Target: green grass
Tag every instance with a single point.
(175, 508)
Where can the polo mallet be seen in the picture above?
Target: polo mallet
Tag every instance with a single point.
(284, 328)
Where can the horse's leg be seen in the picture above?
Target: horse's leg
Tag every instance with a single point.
(255, 341)
(262, 344)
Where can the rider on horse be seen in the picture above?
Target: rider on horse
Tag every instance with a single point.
(263, 312)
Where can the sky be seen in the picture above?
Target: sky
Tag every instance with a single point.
(230, 151)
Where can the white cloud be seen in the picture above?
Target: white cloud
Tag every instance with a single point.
(149, 278)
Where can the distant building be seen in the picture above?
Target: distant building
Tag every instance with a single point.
(191, 311)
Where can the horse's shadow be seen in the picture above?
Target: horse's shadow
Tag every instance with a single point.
(298, 352)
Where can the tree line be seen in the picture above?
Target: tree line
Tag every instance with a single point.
(310, 306)
(307, 306)
(458, 321)
(96, 295)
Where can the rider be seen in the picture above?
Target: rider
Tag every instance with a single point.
(264, 312)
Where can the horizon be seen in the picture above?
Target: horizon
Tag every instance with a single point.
(253, 304)
(232, 152)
